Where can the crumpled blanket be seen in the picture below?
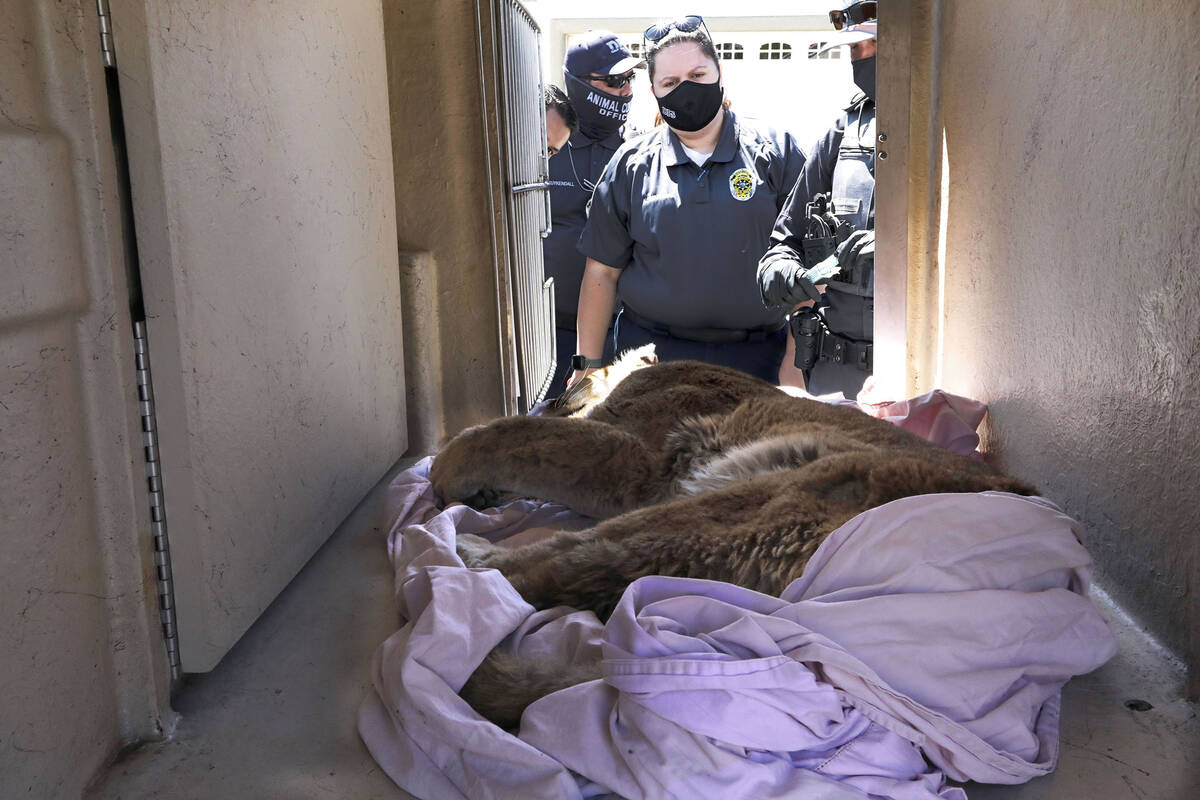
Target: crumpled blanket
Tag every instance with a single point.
(928, 639)
(947, 419)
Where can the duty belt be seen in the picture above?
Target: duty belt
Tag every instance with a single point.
(707, 335)
(841, 350)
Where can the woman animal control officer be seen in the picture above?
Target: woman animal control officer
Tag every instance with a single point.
(680, 218)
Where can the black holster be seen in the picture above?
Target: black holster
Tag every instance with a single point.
(823, 231)
(815, 342)
(806, 329)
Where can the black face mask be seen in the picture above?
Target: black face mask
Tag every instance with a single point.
(600, 113)
(864, 75)
(690, 105)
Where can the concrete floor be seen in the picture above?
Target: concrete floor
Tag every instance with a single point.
(277, 718)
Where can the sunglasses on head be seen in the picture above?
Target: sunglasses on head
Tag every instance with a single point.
(659, 30)
(854, 15)
(614, 81)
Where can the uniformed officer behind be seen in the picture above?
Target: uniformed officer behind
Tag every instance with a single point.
(799, 268)
(680, 218)
(561, 120)
(598, 72)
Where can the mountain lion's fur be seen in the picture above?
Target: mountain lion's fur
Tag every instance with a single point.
(695, 470)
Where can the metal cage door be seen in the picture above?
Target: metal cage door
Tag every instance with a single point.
(527, 199)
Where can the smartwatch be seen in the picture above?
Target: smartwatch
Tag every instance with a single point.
(579, 362)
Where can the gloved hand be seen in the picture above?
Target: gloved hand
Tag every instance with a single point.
(856, 256)
(785, 282)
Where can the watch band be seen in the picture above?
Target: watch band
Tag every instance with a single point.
(583, 362)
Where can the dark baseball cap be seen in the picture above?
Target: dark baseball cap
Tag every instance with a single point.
(853, 34)
(599, 53)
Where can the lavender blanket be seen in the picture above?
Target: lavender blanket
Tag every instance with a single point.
(928, 639)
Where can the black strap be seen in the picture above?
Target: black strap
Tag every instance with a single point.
(841, 350)
(579, 361)
(706, 335)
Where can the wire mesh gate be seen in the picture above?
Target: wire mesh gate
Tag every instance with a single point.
(523, 120)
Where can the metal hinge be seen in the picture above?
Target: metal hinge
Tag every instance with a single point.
(106, 35)
(158, 512)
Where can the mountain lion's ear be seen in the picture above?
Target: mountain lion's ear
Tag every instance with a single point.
(644, 355)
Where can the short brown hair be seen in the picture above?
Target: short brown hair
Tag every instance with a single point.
(676, 37)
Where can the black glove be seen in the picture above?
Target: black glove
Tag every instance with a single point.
(856, 256)
(785, 282)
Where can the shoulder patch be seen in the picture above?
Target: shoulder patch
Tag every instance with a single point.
(742, 184)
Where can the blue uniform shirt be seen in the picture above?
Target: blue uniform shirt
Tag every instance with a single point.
(689, 238)
(573, 174)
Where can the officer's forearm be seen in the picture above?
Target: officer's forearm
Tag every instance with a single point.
(597, 297)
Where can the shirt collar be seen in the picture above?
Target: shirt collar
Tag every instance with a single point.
(724, 152)
(727, 144)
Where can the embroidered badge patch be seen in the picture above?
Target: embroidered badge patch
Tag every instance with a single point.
(741, 184)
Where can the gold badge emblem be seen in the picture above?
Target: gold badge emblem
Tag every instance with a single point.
(741, 184)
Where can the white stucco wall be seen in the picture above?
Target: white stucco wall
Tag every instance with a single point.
(83, 668)
(448, 187)
(1070, 271)
(82, 664)
(261, 183)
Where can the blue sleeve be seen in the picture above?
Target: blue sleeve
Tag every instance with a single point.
(793, 162)
(606, 235)
(816, 176)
